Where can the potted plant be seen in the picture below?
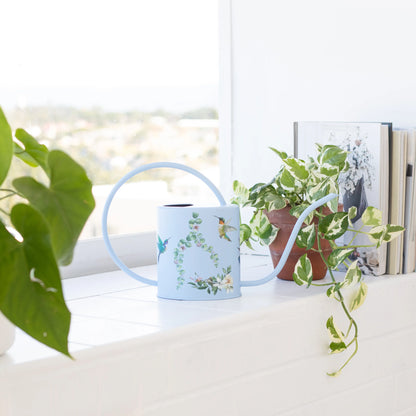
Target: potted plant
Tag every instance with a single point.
(297, 184)
(40, 223)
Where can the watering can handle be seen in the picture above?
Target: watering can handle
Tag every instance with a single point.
(121, 182)
(290, 242)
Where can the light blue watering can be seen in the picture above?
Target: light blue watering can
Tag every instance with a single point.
(198, 247)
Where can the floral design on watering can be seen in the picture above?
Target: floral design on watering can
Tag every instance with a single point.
(212, 284)
(194, 237)
(217, 222)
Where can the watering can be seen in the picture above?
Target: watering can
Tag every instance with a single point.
(198, 247)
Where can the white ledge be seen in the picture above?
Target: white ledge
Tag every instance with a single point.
(264, 353)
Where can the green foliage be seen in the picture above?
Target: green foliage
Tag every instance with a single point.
(38, 234)
(297, 184)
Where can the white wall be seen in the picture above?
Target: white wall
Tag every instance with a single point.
(283, 61)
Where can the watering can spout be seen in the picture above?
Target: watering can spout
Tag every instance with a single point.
(291, 241)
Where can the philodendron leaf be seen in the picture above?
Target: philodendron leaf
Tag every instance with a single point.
(297, 168)
(371, 216)
(34, 153)
(30, 286)
(333, 225)
(352, 213)
(6, 146)
(334, 332)
(337, 256)
(353, 275)
(66, 203)
(359, 297)
(384, 233)
(332, 155)
(297, 210)
(336, 347)
(241, 193)
(306, 237)
(302, 274)
(287, 180)
(282, 155)
(245, 234)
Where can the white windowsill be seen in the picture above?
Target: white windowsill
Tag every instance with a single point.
(136, 354)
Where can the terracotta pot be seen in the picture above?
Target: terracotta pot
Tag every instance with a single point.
(284, 221)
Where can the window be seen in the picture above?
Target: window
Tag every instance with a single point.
(118, 85)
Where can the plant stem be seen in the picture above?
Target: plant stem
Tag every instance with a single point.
(322, 284)
(4, 212)
(360, 246)
(11, 192)
(6, 196)
(341, 300)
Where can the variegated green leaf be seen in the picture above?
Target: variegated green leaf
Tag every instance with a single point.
(303, 271)
(306, 237)
(384, 233)
(245, 234)
(241, 193)
(338, 256)
(371, 216)
(334, 332)
(282, 155)
(352, 213)
(287, 180)
(329, 170)
(353, 275)
(297, 210)
(332, 290)
(277, 203)
(332, 155)
(297, 168)
(333, 225)
(337, 347)
(273, 200)
(263, 229)
(359, 297)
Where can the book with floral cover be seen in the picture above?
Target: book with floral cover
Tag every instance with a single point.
(366, 183)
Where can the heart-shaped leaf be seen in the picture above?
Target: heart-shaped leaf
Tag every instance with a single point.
(333, 225)
(306, 237)
(302, 274)
(359, 297)
(371, 216)
(337, 256)
(66, 203)
(30, 286)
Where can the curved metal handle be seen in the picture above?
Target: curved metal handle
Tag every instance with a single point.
(121, 182)
(290, 242)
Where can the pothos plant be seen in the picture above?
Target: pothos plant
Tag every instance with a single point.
(40, 223)
(297, 184)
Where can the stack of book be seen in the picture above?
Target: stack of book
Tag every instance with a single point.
(381, 174)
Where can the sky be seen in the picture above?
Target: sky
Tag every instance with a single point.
(100, 44)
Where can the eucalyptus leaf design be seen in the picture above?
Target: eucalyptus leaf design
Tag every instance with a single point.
(194, 237)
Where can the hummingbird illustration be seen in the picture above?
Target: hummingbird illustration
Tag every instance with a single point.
(224, 228)
(161, 245)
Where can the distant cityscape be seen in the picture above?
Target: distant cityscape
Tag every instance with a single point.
(111, 143)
